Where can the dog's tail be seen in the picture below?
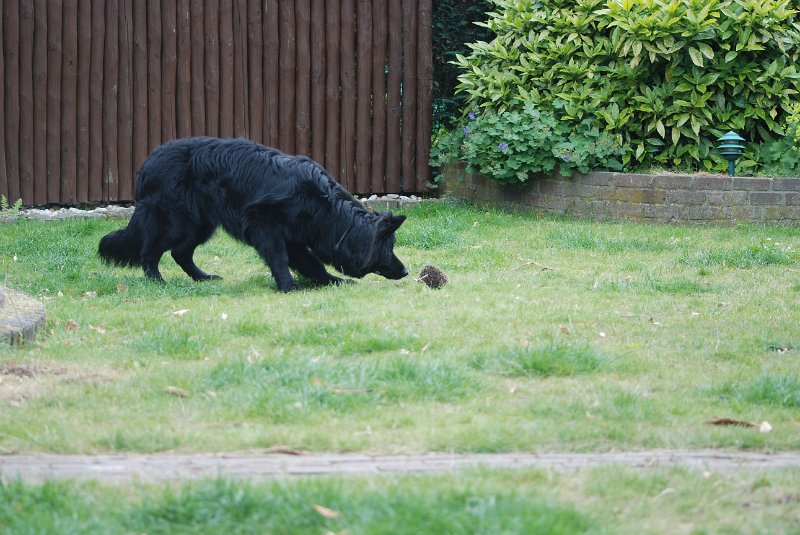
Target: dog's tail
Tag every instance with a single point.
(122, 247)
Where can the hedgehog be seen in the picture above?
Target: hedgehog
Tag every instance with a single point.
(432, 276)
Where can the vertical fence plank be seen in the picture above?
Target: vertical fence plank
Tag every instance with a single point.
(303, 77)
(4, 130)
(198, 109)
(11, 102)
(393, 109)
(271, 72)
(53, 121)
(241, 85)
(169, 71)
(110, 104)
(332, 84)
(318, 31)
(125, 102)
(69, 88)
(82, 73)
(363, 95)
(140, 87)
(288, 64)
(154, 111)
(226, 68)
(26, 123)
(39, 36)
(212, 67)
(183, 109)
(409, 94)
(424, 94)
(96, 86)
(255, 57)
(380, 14)
(347, 136)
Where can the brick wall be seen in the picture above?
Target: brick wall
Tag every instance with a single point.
(658, 198)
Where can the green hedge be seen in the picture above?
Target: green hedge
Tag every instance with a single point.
(665, 78)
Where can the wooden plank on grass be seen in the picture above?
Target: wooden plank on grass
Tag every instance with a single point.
(68, 104)
(169, 70)
(226, 68)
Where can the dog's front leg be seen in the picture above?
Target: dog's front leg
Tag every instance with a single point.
(272, 249)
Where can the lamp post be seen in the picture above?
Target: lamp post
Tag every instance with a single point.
(731, 149)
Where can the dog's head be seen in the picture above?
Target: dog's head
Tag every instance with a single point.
(382, 260)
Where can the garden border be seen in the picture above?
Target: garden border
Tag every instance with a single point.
(663, 198)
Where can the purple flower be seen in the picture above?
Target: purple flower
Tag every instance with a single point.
(503, 146)
(471, 116)
(466, 131)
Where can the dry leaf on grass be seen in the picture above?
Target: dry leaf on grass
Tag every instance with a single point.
(326, 512)
(121, 288)
(180, 313)
(72, 325)
(175, 391)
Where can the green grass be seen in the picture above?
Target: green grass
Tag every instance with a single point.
(609, 500)
(553, 334)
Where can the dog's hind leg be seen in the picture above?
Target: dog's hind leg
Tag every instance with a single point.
(308, 265)
(183, 254)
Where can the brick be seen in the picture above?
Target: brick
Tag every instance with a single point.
(552, 186)
(744, 212)
(673, 182)
(728, 198)
(598, 178)
(686, 197)
(761, 198)
(786, 184)
(712, 182)
(792, 199)
(628, 211)
(781, 213)
(633, 181)
(658, 212)
(751, 184)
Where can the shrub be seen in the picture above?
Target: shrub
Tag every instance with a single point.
(665, 77)
(513, 145)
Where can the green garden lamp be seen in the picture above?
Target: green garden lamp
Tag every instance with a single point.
(731, 149)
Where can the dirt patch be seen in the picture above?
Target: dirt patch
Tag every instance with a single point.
(21, 383)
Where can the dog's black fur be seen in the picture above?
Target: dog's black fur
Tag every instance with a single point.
(287, 207)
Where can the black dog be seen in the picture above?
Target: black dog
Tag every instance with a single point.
(287, 207)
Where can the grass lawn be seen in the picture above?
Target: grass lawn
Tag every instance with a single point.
(552, 335)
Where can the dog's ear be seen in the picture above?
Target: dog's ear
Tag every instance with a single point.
(395, 221)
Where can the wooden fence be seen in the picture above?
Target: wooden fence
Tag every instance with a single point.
(89, 87)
